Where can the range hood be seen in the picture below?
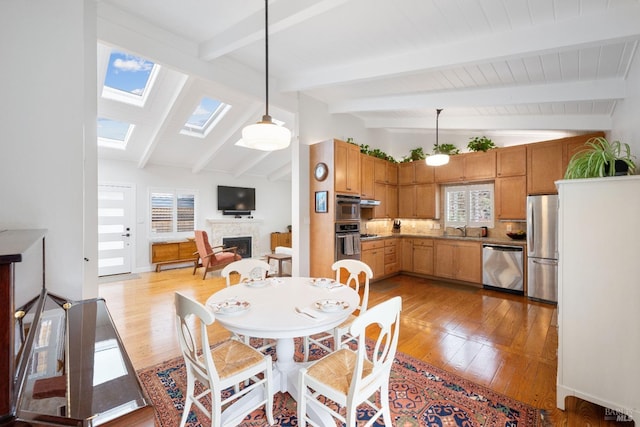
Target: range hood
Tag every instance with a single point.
(368, 202)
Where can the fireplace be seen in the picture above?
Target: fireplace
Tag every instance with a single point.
(243, 244)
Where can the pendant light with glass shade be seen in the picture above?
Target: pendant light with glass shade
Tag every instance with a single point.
(437, 158)
(266, 135)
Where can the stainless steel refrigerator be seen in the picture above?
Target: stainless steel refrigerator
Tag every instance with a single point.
(542, 248)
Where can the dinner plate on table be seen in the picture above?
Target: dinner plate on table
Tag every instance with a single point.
(324, 282)
(230, 307)
(256, 283)
(330, 305)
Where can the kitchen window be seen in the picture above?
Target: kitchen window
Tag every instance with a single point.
(172, 211)
(469, 205)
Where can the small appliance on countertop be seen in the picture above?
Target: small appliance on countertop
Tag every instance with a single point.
(396, 225)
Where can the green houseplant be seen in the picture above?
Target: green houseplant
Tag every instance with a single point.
(415, 154)
(481, 143)
(601, 158)
(449, 149)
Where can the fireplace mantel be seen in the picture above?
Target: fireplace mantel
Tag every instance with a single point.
(235, 227)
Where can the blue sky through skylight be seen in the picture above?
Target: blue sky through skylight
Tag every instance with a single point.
(128, 73)
(203, 113)
(112, 129)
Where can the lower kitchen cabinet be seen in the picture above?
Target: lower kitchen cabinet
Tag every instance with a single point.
(458, 260)
(406, 261)
(372, 254)
(391, 256)
(423, 256)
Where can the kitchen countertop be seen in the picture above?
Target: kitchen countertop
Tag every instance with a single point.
(492, 240)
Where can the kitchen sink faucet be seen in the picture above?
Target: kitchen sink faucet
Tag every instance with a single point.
(463, 229)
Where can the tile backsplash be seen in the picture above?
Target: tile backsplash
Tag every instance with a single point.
(429, 227)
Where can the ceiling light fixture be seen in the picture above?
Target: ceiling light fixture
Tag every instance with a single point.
(437, 158)
(266, 135)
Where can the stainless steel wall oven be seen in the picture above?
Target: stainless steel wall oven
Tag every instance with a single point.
(347, 244)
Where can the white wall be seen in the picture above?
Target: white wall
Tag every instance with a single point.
(47, 134)
(273, 200)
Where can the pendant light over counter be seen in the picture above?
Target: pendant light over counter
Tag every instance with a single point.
(437, 158)
(266, 135)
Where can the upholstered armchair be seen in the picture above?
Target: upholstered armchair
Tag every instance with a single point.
(213, 258)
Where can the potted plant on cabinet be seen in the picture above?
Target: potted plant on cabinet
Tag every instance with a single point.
(449, 149)
(480, 144)
(601, 158)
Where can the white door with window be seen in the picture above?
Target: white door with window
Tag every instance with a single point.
(115, 224)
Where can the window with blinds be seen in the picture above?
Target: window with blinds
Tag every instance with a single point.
(172, 212)
(469, 205)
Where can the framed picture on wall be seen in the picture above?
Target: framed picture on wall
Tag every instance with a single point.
(321, 202)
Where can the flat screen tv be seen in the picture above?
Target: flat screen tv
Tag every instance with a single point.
(235, 200)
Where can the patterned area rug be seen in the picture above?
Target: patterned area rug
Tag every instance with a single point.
(421, 395)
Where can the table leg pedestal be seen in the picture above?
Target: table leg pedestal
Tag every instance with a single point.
(285, 376)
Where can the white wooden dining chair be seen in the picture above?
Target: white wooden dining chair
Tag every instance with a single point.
(227, 365)
(352, 378)
(248, 269)
(340, 333)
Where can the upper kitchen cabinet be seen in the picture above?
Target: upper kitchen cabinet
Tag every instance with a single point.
(385, 171)
(347, 167)
(544, 166)
(418, 201)
(511, 183)
(547, 162)
(468, 167)
(387, 195)
(367, 181)
(511, 161)
(416, 172)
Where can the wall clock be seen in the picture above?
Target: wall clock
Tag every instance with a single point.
(321, 171)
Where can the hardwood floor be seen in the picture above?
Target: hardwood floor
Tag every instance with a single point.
(499, 340)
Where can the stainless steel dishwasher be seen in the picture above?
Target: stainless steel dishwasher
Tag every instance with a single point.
(503, 268)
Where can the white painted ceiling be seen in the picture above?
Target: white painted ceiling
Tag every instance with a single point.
(492, 65)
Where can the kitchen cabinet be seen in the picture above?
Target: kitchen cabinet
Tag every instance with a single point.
(458, 260)
(544, 167)
(547, 162)
(385, 171)
(372, 254)
(347, 167)
(511, 161)
(418, 201)
(406, 263)
(280, 239)
(415, 173)
(423, 256)
(598, 293)
(468, 167)
(367, 181)
(511, 183)
(452, 171)
(511, 198)
(387, 195)
(164, 253)
(391, 256)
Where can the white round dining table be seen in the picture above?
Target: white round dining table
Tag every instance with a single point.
(274, 312)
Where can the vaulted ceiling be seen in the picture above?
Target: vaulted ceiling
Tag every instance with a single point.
(493, 66)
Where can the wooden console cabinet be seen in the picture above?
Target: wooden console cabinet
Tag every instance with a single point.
(280, 239)
(165, 253)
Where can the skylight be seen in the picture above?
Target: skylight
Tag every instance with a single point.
(129, 78)
(204, 118)
(113, 133)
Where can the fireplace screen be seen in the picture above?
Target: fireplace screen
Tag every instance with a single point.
(242, 243)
